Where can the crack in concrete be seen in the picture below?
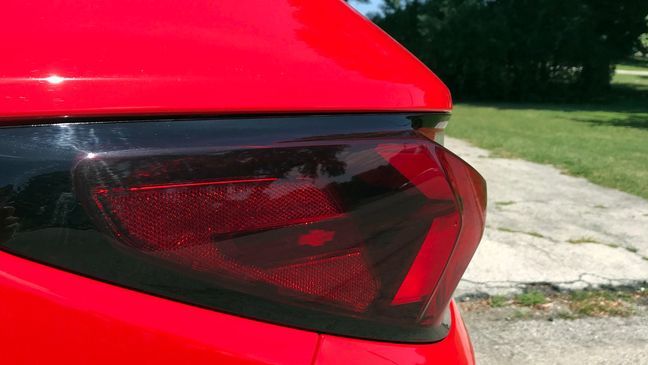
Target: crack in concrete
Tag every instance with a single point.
(527, 197)
(559, 286)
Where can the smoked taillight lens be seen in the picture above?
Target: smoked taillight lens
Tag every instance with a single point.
(354, 225)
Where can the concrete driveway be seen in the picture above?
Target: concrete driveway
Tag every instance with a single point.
(547, 227)
(565, 232)
(581, 341)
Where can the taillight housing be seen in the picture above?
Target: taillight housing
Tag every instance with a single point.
(355, 225)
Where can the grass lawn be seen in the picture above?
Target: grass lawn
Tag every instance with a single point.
(635, 64)
(606, 143)
(635, 82)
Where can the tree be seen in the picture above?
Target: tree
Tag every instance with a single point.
(518, 49)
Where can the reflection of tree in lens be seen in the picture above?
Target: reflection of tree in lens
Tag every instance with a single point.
(46, 200)
(8, 223)
(312, 162)
(8, 220)
(278, 162)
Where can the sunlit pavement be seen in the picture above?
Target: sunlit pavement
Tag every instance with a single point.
(546, 227)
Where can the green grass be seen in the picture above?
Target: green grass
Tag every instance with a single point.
(504, 203)
(497, 301)
(607, 143)
(580, 240)
(536, 303)
(531, 299)
(599, 303)
(636, 82)
(635, 64)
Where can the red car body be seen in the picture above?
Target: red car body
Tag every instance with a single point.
(71, 59)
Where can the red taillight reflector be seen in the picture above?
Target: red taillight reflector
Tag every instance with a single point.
(194, 223)
(426, 269)
(343, 279)
(376, 230)
(470, 189)
(415, 162)
(170, 216)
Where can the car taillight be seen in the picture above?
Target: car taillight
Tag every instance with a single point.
(354, 225)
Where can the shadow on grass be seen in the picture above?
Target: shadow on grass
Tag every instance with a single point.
(630, 100)
(630, 121)
(635, 61)
(620, 104)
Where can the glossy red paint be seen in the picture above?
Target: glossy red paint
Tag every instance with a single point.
(48, 316)
(71, 58)
(454, 349)
(105, 58)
